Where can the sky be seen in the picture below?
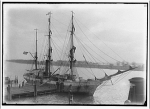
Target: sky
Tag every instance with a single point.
(118, 30)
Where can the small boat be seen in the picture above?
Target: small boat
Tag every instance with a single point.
(67, 81)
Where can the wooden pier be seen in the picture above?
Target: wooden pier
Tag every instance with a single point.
(29, 91)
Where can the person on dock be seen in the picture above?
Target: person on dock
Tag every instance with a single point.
(9, 92)
(16, 80)
(8, 88)
(11, 83)
(41, 81)
(22, 83)
(57, 85)
(62, 86)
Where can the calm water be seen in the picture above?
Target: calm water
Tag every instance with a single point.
(105, 93)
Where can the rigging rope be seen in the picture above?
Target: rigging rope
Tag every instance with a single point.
(115, 81)
(64, 58)
(90, 54)
(86, 49)
(57, 33)
(56, 48)
(41, 52)
(84, 57)
(32, 65)
(84, 73)
(96, 46)
(92, 50)
(103, 42)
(44, 52)
(59, 21)
(103, 84)
(65, 39)
(125, 74)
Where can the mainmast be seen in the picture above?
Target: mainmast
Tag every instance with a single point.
(36, 51)
(50, 48)
(72, 49)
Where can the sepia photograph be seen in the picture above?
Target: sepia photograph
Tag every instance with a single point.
(73, 53)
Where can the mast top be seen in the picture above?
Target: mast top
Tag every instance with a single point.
(72, 13)
(49, 13)
(36, 50)
(36, 29)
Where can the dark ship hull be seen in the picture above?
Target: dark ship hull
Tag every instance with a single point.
(78, 86)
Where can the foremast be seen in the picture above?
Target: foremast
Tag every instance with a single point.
(72, 48)
(36, 51)
(49, 57)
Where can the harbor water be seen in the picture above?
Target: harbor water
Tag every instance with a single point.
(111, 92)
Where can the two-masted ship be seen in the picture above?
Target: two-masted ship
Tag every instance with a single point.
(65, 82)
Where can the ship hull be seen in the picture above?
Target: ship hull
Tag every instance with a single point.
(77, 87)
(32, 80)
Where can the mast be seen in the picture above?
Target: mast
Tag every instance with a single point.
(36, 51)
(72, 50)
(49, 40)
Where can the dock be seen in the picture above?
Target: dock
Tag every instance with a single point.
(29, 91)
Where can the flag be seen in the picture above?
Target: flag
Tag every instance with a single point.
(25, 53)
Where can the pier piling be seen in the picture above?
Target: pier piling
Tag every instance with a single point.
(70, 95)
(35, 90)
(137, 92)
(9, 92)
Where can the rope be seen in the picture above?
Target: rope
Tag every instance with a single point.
(96, 46)
(41, 52)
(44, 50)
(84, 73)
(103, 84)
(91, 55)
(122, 77)
(59, 21)
(92, 50)
(103, 42)
(57, 33)
(65, 39)
(56, 49)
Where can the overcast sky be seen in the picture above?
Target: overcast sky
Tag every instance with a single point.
(121, 27)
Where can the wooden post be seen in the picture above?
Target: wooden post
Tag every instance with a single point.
(35, 90)
(136, 93)
(70, 98)
(57, 86)
(70, 95)
(9, 92)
